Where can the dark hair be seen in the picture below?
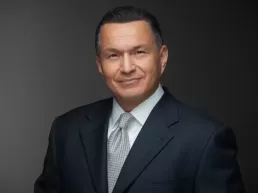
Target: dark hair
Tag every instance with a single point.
(126, 14)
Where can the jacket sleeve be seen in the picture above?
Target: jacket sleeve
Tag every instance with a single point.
(49, 179)
(218, 171)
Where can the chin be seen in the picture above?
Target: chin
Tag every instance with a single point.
(131, 94)
(130, 91)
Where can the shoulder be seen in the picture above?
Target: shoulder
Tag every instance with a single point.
(196, 116)
(198, 124)
(190, 119)
(77, 114)
(196, 130)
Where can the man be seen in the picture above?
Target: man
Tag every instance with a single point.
(142, 139)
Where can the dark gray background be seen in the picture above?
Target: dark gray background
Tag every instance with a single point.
(47, 67)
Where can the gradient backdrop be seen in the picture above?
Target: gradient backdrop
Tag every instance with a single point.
(47, 67)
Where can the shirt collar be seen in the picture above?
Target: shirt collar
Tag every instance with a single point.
(141, 112)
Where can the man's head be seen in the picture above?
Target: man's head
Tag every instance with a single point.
(130, 52)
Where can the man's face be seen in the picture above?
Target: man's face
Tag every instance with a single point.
(129, 59)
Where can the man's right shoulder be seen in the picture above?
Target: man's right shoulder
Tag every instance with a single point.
(77, 113)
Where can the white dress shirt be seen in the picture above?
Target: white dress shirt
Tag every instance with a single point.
(140, 113)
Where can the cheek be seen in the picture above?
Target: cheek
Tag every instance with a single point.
(109, 70)
(151, 68)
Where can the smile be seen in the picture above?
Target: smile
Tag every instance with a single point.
(130, 82)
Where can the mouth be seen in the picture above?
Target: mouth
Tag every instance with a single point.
(130, 82)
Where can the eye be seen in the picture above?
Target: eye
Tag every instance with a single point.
(140, 52)
(113, 56)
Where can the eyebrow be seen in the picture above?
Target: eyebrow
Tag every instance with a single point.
(110, 49)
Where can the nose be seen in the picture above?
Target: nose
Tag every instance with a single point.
(127, 65)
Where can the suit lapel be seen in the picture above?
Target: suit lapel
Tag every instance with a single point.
(153, 137)
(94, 138)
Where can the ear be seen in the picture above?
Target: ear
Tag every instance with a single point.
(98, 61)
(163, 54)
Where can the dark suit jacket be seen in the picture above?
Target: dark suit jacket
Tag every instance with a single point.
(178, 150)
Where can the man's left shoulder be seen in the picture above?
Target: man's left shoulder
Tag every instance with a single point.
(196, 128)
(199, 122)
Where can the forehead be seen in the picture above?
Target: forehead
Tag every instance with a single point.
(125, 35)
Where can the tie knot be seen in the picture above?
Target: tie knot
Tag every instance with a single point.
(125, 119)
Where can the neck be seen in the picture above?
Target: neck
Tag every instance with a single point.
(128, 104)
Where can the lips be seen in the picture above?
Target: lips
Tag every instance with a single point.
(129, 80)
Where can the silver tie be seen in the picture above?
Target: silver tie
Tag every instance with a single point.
(118, 148)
